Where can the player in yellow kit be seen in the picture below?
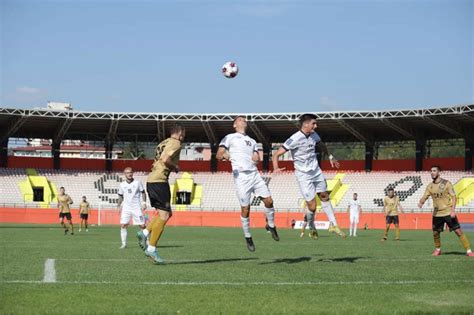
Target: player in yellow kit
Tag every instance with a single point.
(391, 207)
(166, 161)
(64, 203)
(444, 212)
(84, 207)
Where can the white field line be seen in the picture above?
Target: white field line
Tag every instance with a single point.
(269, 260)
(49, 271)
(227, 283)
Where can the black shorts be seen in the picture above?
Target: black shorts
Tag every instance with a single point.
(160, 195)
(85, 216)
(65, 215)
(438, 223)
(392, 219)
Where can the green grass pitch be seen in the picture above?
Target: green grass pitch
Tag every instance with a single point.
(209, 270)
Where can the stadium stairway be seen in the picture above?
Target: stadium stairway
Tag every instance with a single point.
(464, 189)
(35, 182)
(184, 188)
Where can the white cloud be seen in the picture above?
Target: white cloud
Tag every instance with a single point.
(27, 90)
(27, 94)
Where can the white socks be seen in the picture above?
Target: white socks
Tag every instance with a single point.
(310, 219)
(151, 248)
(327, 208)
(270, 213)
(145, 232)
(123, 235)
(245, 226)
(353, 231)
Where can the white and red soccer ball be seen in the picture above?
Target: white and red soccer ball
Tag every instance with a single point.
(230, 70)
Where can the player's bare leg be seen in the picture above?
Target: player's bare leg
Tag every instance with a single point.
(328, 209)
(270, 214)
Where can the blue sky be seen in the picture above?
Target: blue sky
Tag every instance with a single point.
(165, 56)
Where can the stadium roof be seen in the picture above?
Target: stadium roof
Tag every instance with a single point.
(266, 128)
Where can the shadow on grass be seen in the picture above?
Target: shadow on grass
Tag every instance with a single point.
(170, 246)
(454, 253)
(287, 260)
(341, 259)
(208, 261)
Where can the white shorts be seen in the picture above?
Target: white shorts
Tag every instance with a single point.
(354, 218)
(248, 183)
(137, 216)
(311, 184)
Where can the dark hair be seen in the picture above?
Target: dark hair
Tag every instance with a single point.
(61, 187)
(177, 129)
(356, 194)
(437, 166)
(240, 116)
(306, 117)
(390, 189)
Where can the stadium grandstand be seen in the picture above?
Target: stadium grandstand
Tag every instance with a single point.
(205, 184)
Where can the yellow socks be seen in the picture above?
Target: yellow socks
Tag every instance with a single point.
(397, 233)
(437, 239)
(465, 241)
(157, 227)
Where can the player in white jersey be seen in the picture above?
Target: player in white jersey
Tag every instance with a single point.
(131, 204)
(242, 152)
(354, 210)
(302, 146)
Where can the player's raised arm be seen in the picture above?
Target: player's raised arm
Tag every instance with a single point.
(324, 149)
(282, 150)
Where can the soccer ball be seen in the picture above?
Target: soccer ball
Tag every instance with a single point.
(230, 70)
